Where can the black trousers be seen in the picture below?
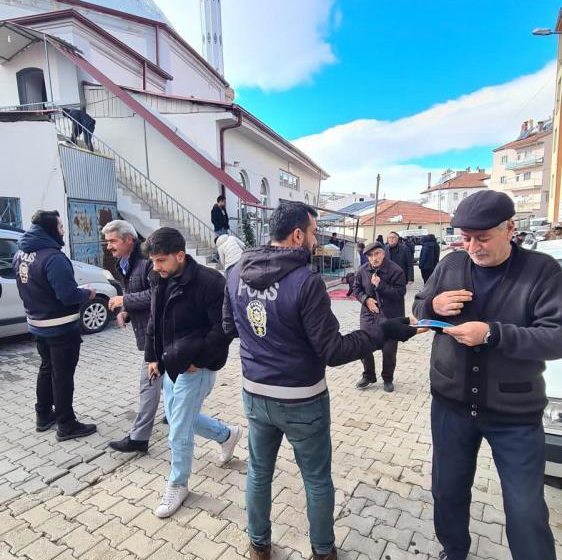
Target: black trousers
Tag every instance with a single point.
(519, 455)
(426, 273)
(389, 351)
(55, 380)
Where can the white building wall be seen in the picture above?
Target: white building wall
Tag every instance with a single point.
(450, 198)
(31, 169)
(63, 74)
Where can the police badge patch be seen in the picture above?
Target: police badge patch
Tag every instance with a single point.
(23, 272)
(257, 315)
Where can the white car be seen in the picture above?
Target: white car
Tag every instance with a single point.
(94, 314)
(552, 417)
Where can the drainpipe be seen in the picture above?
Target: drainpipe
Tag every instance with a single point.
(223, 129)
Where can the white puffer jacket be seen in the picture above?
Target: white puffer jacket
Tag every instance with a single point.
(230, 250)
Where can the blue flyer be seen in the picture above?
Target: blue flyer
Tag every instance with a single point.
(431, 324)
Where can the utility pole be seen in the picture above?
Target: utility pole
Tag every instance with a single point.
(376, 207)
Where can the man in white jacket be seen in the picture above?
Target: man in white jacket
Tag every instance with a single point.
(230, 250)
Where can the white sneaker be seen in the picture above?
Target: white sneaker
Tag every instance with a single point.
(173, 497)
(227, 448)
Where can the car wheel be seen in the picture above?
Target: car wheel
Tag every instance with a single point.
(94, 316)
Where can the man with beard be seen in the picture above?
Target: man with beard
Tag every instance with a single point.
(52, 299)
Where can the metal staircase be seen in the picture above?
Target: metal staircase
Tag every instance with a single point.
(162, 207)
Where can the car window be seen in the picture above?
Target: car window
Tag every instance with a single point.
(8, 248)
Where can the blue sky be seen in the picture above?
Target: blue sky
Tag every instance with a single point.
(400, 87)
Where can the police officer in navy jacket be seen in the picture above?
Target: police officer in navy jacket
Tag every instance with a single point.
(52, 299)
(288, 335)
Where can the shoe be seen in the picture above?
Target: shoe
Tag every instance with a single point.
(388, 386)
(128, 445)
(260, 552)
(164, 420)
(364, 382)
(75, 430)
(43, 423)
(442, 555)
(333, 555)
(227, 448)
(173, 497)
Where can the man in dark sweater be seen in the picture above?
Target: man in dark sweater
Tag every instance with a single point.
(219, 217)
(288, 335)
(133, 270)
(46, 284)
(486, 374)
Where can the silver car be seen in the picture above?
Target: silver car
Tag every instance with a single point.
(94, 314)
(552, 417)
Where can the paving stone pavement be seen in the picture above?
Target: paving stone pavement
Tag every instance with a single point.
(76, 499)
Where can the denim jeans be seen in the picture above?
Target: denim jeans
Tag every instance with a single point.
(182, 402)
(518, 452)
(55, 380)
(307, 428)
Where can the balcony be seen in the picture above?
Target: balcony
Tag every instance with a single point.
(522, 163)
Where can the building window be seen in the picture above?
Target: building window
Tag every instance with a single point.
(306, 198)
(288, 180)
(527, 176)
(517, 178)
(264, 192)
(464, 194)
(504, 159)
(10, 211)
(455, 196)
(244, 180)
(503, 180)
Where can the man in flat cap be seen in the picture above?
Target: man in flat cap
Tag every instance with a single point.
(380, 287)
(486, 374)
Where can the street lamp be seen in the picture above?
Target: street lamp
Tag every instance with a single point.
(545, 31)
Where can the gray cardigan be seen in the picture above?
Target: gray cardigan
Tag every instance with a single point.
(503, 378)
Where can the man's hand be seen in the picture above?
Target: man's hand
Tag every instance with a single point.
(469, 334)
(449, 304)
(375, 280)
(398, 329)
(153, 371)
(372, 305)
(92, 294)
(122, 318)
(192, 369)
(115, 302)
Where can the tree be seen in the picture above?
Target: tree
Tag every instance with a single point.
(248, 231)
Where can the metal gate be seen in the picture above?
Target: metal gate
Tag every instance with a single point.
(86, 220)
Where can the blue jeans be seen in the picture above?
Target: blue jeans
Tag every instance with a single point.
(182, 403)
(518, 452)
(307, 428)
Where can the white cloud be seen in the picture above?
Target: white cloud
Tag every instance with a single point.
(273, 45)
(353, 153)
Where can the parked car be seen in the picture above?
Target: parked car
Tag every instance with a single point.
(552, 417)
(94, 314)
(416, 235)
(453, 242)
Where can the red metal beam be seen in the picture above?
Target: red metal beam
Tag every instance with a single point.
(193, 154)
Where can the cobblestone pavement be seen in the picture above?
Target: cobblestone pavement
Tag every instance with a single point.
(78, 500)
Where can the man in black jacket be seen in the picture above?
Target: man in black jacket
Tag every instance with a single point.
(380, 287)
(400, 254)
(429, 256)
(288, 335)
(486, 374)
(219, 217)
(46, 284)
(186, 344)
(133, 271)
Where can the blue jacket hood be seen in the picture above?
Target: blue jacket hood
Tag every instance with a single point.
(36, 238)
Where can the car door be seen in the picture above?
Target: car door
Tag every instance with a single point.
(12, 314)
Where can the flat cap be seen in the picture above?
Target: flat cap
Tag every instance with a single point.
(372, 246)
(483, 210)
